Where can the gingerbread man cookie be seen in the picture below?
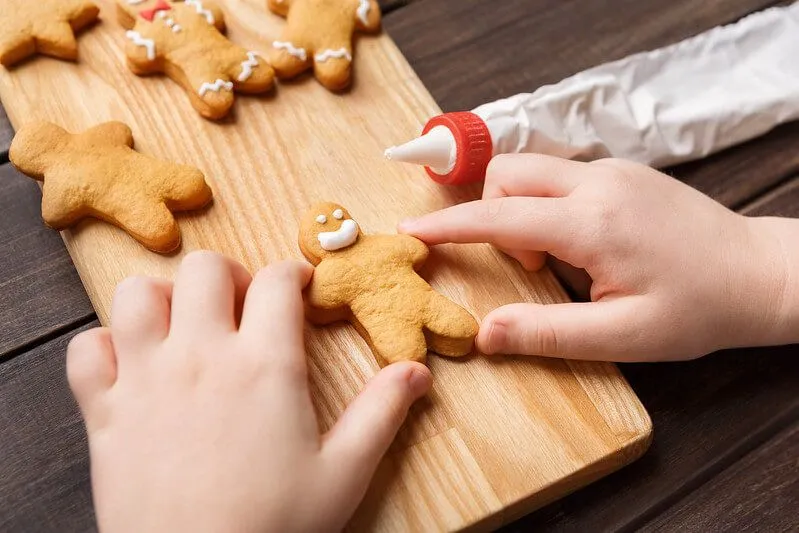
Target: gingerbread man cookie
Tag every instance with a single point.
(97, 174)
(43, 26)
(184, 41)
(371, 281)
(319, 35)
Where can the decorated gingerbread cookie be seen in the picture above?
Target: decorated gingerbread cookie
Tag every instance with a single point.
(97, 174)
(371, 281)
(319, 35)
(184, 40)
(43, 26)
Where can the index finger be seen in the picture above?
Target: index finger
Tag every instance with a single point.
(517, 223)
(273, 314)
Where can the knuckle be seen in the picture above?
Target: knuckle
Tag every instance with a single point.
(542, 338)
(491, 210)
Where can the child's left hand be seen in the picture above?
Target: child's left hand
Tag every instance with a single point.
(199, 420)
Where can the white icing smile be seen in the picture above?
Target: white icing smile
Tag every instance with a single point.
(345, 236)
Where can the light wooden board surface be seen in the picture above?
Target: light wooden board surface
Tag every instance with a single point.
(498, 437)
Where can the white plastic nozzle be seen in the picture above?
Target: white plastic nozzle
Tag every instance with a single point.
(436, 149)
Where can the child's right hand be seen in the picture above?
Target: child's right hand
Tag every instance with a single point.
(675, 274)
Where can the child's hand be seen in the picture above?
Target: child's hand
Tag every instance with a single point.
(201, 421)
(675, 274)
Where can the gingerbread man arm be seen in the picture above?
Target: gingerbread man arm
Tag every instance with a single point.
(329, 286)
(367, 16)
(35, 146)
(212, 12)
(15, 46)
(412, 248)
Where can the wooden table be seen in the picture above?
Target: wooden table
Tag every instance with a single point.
(726, 427)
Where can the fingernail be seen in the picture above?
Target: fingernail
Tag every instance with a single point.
(496, 338)
(420, 382)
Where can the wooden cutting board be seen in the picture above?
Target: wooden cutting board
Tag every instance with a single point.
(499, 436)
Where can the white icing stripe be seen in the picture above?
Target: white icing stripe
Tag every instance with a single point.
(299, 53)
(217, 86)
(346, 235)
(138, 40)
(248, 66)
(363, 11)
(341, 53)
(198, 6)
(135, 2)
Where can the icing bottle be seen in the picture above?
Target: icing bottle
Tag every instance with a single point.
(659, 108)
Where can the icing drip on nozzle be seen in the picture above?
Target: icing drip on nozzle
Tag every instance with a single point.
(455, 149)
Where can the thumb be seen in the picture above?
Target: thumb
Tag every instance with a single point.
(358, 441)
(591, 331)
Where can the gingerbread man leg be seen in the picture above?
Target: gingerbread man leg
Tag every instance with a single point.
(249, 72)
(397, 341)
(210, 91)
(158, 231)
(290, 57)
(57, 40)
(449, 328)
(333, 65)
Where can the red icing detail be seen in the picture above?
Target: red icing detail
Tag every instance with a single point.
(149, 14)
(473, 143)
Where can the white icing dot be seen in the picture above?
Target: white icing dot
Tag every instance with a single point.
(338, 214)
(321, 219)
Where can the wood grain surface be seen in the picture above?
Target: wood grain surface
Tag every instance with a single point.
(759, 493)
(708, 414)
(498, 437)
(40, 291)
(44, 471)
(6, 134)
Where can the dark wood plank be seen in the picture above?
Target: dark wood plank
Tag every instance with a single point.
(6, 134)
(468, 52)
(520, 45)
(781, 202)
(741, 173)
(387, 6)
(44, 464)
(759, 493)
(40, 290)
(706, 414)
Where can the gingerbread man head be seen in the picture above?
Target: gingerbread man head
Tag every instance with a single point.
(326, 229)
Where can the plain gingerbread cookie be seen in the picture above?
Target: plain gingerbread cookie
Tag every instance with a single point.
(47, 27)
(98, 174)
(371, 281)
(319, 34)
(184, 41)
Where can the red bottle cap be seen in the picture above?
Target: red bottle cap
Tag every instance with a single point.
(473, 147)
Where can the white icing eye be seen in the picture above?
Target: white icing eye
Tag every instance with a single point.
(338, 214)
(321, 219)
